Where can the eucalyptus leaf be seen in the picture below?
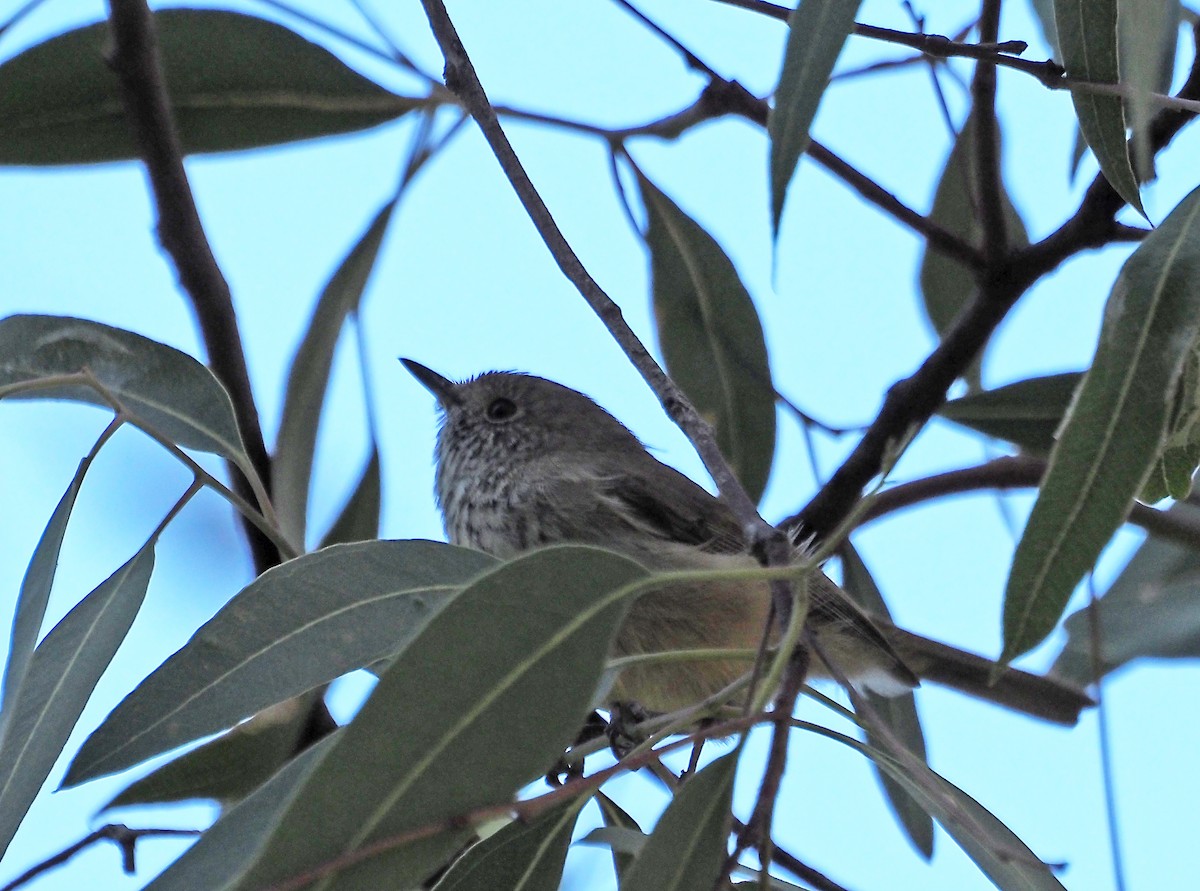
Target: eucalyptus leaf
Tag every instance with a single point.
(62, 674)
(1026, 413)
(161, 386)
(297, 626)
(1087, 34)
(1116, 429)
(816, 33)
(359, 518)
(523, 856)
(235, 82)
(899, 712)
(688, 846)
(711, 337)
(514, 660)
(308, 379)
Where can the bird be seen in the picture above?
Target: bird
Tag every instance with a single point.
(523, 462)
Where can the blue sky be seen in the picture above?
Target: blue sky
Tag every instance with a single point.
(464, 285)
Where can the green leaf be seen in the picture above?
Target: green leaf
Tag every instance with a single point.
(615, 818)
(297, 626)
(161, 386)
(1151, 609)
(291, 466)
(359, 519)
(995, 848)
(228, 848)
(817, 29)
(1173, 472)
(1115, 431)
(946, 284)
(1026, 413)
(1147, 32)
(236, 82)
(35, 588)
(1043, 10)
(230, 767)
(899, 712)
(1087, 33)
(485, 699)
(521, 856)
(711, 337)
(688, 846)
(62, 675)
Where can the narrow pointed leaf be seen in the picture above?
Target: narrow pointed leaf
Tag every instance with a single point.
(1026, 413)
(711, 337)
(291, 466)
(35, 590)
(160, 385)
(1147, 33)
(900, 712)
(1087, 34)
(946, 284)
(615, 817)
(817, 29)
(62, 674)
(359, 519)
(231, 766)
(521, 856)
(1152, 609)
(514, 660)
(297, 626)
(995, 848)
(1116, 428)
(1043, 11)
(236, 82)
(228, 849)
(688, 846)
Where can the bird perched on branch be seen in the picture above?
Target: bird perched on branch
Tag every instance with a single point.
(523, 462)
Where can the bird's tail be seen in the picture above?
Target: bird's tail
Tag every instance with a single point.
(1031, 694)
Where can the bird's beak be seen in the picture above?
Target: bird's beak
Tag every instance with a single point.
(444, 389)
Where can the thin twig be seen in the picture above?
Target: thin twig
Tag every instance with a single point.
(138, 66)
(124, 837)
(797, 867)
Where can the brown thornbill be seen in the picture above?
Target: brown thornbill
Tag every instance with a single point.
(523, 462)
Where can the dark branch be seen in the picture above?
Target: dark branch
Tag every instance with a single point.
(135, 60)
(988, 186)
(122, 836)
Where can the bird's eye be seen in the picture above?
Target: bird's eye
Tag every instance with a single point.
(501, 409)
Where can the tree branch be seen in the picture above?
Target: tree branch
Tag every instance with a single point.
(464, 83)
(135, 60)
(987, 184)
(121, 835)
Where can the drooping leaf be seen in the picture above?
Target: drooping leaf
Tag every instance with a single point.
(514, 660)
(235, 81)
(1152, 609)
(161, 386)
(900, 712)
(297, 626)
(1026, 413)
(62, 674)
(521, 856)
(616, 818)
(946, 284)
(1147, 32)
(36, 586)
(231, 766)
(1173, 472)
(359, 519)
(687, 848)
(227, 849)
(291, 466)
(1087, 34)
(711, 337)
(1115, 432)
(1043, 11)
(995, 848)
(816, 33)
